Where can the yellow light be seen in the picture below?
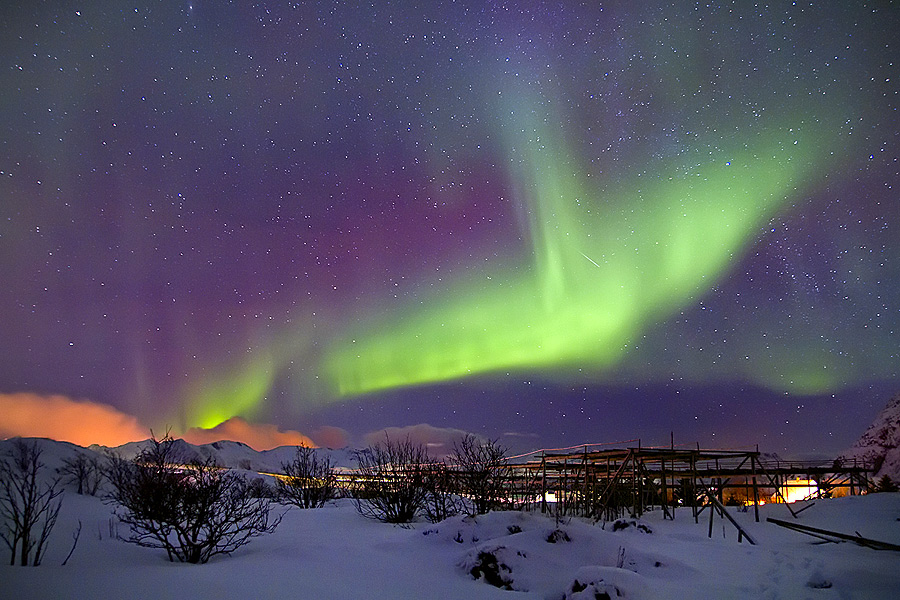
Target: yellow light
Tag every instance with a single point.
(795, 490)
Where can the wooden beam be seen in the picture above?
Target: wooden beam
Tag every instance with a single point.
(824, 533)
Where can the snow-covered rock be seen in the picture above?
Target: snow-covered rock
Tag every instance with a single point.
(880, 443)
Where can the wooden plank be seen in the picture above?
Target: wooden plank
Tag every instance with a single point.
(819, 533)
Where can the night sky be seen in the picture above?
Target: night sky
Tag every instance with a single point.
(549, 222)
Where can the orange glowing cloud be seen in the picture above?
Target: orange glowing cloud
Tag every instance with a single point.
(330, 437)
(81, 422)
(255, 435)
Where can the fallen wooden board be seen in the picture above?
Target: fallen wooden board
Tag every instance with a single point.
(843, 537)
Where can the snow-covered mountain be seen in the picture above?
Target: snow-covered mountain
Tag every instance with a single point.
(235, 455)
(880, 443)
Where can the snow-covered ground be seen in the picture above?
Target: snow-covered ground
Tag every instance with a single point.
(333, 552)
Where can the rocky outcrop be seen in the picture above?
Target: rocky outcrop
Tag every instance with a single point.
(880, 443)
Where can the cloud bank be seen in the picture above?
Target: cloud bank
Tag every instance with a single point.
(257, 436)
(81, 422)
(330, 437)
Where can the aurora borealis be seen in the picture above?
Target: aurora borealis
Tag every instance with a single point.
(552, 222)
(657, 246)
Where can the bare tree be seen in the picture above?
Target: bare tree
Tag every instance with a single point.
(391, 482)
(192, 511)
(309, 481)
(29, 504)
(483, 473)
(85, 472)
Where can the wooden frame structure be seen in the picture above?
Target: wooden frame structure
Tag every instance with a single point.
(607, 484)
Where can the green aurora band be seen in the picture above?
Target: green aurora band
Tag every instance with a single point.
(240, 387)
(606, 263)
(215, 399)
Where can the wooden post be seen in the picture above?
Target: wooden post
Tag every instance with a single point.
(665, 490)
(584, 492)
(719, 483)
(755, 488)
(589, 498)
(635, 486)
(543, 483)
(606, 500)
(716, 505)
(693, 487)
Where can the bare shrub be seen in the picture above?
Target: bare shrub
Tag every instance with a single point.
(309, 481)
(29, 505)
(257, 487)
(482, 472)
(442, 500)
(391, 481)
(192, 511)
(84, 471)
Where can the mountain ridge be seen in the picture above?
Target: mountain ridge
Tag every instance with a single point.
(880, 442)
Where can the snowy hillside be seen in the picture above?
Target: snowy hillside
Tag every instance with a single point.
(235, 454)
(333, 552)
(880, 443)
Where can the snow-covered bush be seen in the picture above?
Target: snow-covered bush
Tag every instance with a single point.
(309, 481)
(84, 471)
(482, 473)
(493, 571)
(259, 488)
(442, 500)
(558, 535)
(592, 590)
(392, 481)
(620, 524)
(193, 511)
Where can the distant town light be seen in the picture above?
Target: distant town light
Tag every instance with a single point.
(795, 490)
